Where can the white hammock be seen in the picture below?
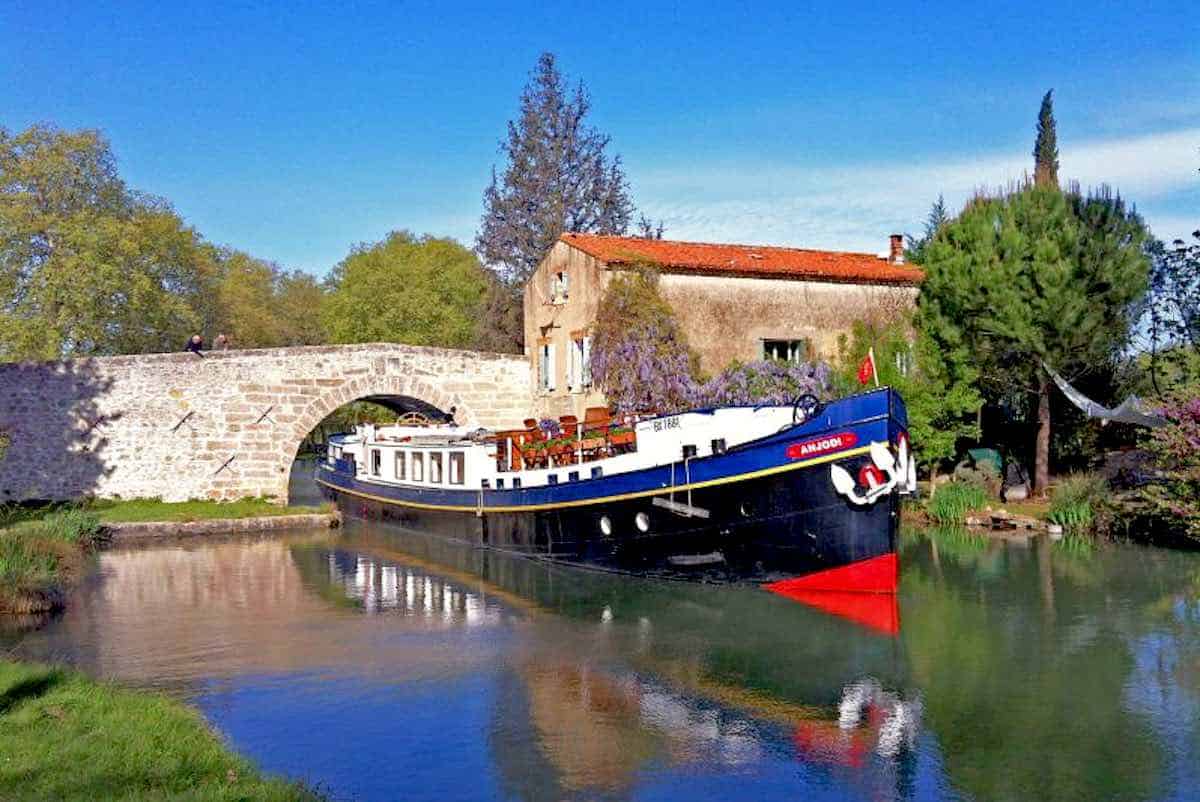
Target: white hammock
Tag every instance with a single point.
(1131, 410)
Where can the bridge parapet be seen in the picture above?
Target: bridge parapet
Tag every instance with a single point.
(224, 426)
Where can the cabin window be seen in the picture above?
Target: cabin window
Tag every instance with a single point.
(418, 467)
(435, 468)
(499, 484)
(401, 465)
(376, 461)
(597, 472)
(516, 482)
(485, 484)
(580, 367)
(573, 476)
(786, 350)
(553, 478)
(560, 287)
(458, 462)
(546, 367)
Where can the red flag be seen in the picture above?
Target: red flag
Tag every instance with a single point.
(867, 369)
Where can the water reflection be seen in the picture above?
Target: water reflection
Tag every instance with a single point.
(384, 664)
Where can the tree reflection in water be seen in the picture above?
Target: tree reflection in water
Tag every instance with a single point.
(375, 659)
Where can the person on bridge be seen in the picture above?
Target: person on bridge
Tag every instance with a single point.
(195, 345)
(222, 343)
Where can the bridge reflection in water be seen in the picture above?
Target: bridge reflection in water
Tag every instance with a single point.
(385, 665)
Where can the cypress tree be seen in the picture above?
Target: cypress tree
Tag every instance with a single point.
(1045, 148)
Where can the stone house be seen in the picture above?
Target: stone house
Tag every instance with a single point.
(734, 302)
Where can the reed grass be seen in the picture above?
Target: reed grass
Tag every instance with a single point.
(66, 737)
(952, 501)
(1078, 502)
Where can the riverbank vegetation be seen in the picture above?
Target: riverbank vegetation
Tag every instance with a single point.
(65, 737)
(42, 555)
(45, 549)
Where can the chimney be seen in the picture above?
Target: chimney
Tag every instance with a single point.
(896, 249)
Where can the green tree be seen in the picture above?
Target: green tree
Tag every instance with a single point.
(260, 305)
(1036, 275)
(1045, 147)
(559, 177)
(937, 217)
(298, 299)
(939, 389)
(408, 289)
(86, 265)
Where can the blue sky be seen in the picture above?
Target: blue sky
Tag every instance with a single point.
(294, 130)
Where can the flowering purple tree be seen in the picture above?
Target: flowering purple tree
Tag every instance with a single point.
(640, 358)
(1176, 449)
(767, 381)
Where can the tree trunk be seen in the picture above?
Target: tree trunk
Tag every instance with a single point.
(1041, 460)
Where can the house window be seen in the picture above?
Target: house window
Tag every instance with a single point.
(786, 350)
(560, 287)
(435, 468)
(546, 367)
(580, 370)
(376, 461)
(457, 467)
(401, 465)
(418, 467)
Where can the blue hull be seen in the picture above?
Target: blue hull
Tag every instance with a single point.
(772, 510)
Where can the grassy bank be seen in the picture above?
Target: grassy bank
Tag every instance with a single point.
(41, 556)
(142, 510)
(65, 737)
(44, 549)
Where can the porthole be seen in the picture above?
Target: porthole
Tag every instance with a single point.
(605, 525)
(642, 520)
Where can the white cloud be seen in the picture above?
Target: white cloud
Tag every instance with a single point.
(854, 207)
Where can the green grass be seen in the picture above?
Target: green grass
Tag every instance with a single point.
(1078, 501)
(65, 737)
(152, 509)
(40, 556)
(952, 501)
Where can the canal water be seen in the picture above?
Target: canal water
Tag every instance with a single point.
(379, 664)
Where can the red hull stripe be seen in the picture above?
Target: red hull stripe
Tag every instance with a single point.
(874, 575)
(875, 611)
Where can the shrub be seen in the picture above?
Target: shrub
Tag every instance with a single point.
(951, 503)
(1175, 498)
(1080, 502)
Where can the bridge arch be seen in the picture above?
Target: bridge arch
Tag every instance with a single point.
(224, 426)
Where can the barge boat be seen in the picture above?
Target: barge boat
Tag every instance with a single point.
(800, 498)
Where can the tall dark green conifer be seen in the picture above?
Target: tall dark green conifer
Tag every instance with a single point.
(1045, 148)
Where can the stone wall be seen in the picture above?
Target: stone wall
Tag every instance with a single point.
(225, 426)
(727, 318)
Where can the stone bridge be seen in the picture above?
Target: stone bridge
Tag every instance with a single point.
(222, 426)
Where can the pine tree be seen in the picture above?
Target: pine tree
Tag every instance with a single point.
(1037, 275)
(937, 217)
(558, 178)
(1045, 148)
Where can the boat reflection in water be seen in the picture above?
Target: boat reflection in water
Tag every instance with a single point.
(620, 675)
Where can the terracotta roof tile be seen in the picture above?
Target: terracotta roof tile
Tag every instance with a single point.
(745, 260)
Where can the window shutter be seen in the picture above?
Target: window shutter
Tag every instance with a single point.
(572, 367)
(585, 372)
(550, 349)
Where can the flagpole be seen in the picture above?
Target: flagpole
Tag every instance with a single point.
(874, 371)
